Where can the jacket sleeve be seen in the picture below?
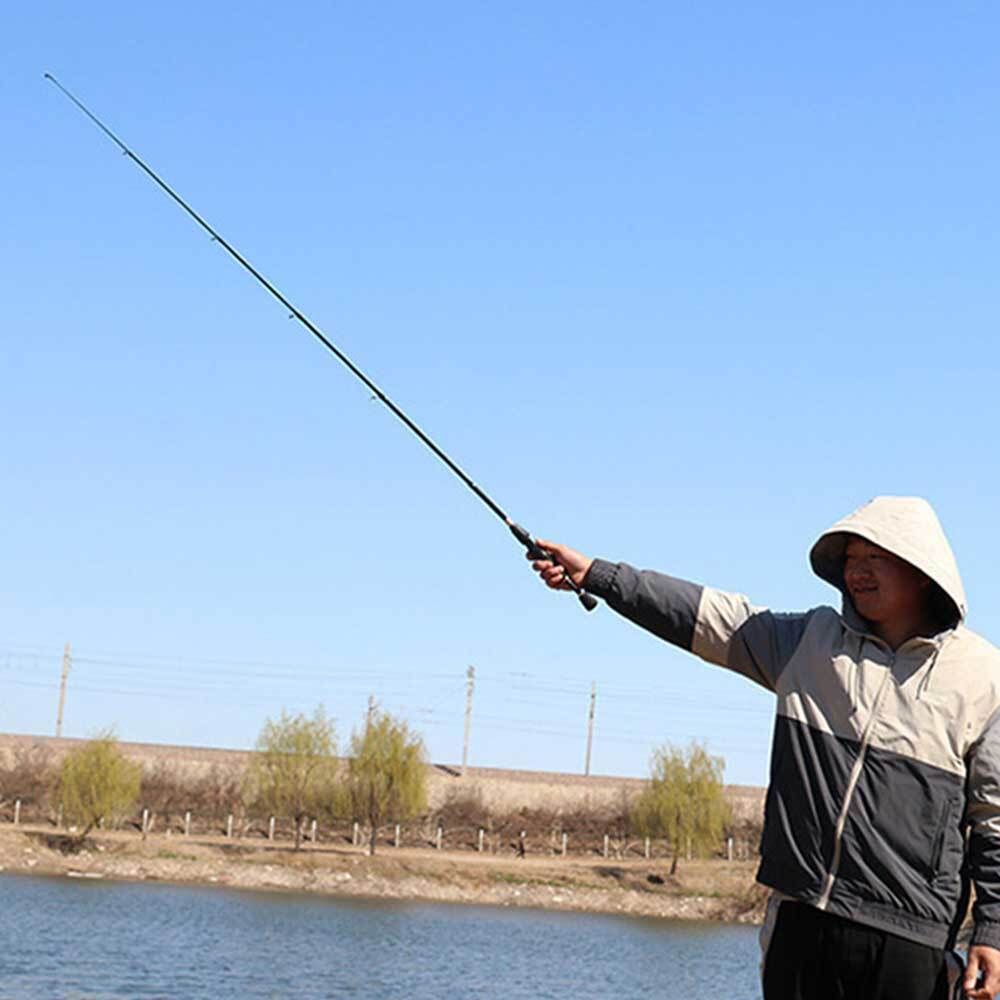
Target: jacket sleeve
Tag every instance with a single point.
(722, 628)
(983, 816)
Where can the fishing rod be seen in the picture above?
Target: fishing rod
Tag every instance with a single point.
(534, 550)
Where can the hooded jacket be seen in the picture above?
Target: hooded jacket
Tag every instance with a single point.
(884, 793)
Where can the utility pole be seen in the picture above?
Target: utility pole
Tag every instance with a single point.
(470, 686)
(66, 664)
(590, 725)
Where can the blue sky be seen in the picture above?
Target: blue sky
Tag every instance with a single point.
(677, 284)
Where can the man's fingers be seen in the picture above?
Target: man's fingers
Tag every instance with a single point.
(974, 989)
(564, 569)
(984, 963)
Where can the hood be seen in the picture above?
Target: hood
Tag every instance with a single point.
(907, 527)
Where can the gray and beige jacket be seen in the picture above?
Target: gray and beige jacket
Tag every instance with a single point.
(884, 796)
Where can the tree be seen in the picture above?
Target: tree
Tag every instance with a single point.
(27, 775)
(97, 782)
(684, 801)
(294, 771)
(386, 772)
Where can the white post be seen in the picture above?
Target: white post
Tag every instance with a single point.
(396, 839)
(17, 812)
(647, 848)
(354, 835)
(229, 826)
(438, 841)
(605, 845)
(145, 822)
(270, 829)
(187, 823)
(729, 848)
(565, 841)
(689, 849)
(312, 832)
(480, 846)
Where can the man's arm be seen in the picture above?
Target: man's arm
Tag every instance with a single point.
(720, 627)
(983, 814)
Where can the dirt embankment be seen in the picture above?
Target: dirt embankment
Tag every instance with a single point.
(705, 890)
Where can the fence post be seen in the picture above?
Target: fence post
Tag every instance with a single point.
(145, 822)
(396, 838)
(354, 835)
(729, 848)
(646, 848)
(689, 849)
(565, 841)
(480, 845)
(270, 829)
(229, 825)
(312, 832)
(17, 812)
(187, 823)
(606, 842)
(438, 839)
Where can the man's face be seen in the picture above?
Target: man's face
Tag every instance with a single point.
(885, 589)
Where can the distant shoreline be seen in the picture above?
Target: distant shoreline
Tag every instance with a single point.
(701, 890)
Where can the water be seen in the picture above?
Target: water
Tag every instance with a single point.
(62, 939)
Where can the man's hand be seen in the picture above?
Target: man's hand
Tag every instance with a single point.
(983, 961)
(568, 562)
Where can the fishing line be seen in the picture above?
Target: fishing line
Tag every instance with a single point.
(521, 534)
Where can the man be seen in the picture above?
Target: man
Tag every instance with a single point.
(884, 794)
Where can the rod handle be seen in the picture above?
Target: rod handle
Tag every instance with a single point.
(535, 551)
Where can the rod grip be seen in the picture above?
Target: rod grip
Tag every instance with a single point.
(535, 551)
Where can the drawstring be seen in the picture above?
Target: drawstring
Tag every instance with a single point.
(856, 693)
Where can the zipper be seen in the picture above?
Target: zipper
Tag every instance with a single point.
(852, 782)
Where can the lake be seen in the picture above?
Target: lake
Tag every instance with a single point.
(81, 940)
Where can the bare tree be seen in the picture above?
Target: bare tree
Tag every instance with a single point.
(163, 790)
(28, 776)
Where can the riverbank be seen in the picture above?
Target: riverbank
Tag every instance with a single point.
(701, 890)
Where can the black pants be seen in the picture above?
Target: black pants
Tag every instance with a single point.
(818, 956)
